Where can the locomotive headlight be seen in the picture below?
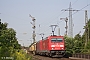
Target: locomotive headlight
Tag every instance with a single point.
(52, 45)
(62, 48)
(61, 45)
(52, 48)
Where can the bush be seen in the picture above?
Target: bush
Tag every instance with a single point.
(21, 55)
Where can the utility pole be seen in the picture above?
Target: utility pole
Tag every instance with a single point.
(34, 34)
(33, 24)
(42, 35)
(86, 28)
(53, 28)
(66, 20)
(70, 33)
(58, 31)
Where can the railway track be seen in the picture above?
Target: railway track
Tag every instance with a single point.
(74, 57)
(37, 57)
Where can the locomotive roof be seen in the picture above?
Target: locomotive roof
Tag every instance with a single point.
(52, 36)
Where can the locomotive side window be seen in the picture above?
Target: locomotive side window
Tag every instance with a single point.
(56, 40)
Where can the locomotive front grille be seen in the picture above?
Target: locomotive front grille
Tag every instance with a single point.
(57, 51)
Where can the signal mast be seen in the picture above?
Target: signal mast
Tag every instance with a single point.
(33, 24)
(66, 20)
(34, 34)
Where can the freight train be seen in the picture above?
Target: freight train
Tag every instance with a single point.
(50, 46)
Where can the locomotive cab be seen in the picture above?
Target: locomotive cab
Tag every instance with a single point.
(57, 46)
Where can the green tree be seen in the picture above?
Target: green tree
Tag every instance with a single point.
(86, 47)
(8, 40)
(78, 43)
(69, 43)
(89, 27)
(9, 46)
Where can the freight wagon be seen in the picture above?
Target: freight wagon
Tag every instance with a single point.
(32, 48)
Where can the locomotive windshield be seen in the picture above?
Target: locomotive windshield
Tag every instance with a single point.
(56, 40)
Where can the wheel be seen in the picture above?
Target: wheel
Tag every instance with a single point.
(50, 54)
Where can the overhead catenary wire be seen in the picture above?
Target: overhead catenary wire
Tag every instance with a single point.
(52, 21)
(60, 14)
(81, 9)
(74, 2)
(76, 11)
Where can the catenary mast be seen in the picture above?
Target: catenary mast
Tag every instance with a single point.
(70, 31)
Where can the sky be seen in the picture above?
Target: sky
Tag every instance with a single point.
(46, 12)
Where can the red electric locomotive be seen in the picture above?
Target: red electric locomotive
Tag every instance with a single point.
(51, 46)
